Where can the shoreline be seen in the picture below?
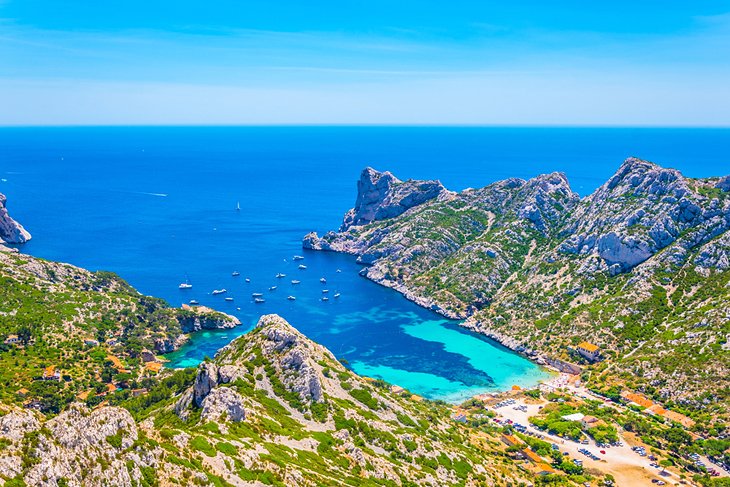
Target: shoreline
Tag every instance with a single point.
(539, 358)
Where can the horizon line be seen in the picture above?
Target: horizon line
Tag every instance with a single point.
(361, 125)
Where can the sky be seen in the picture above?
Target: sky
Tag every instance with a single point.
(560, 63)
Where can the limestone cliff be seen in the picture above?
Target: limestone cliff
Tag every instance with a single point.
(10, 230)
(380, 195)
(638, 263)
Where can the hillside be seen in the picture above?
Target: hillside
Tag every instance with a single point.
(92, 329)
(641, 268)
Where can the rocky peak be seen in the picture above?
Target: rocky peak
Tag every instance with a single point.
(724, 183)
(640, 177)
(380, 195)
(641, 210)
(295, 357)
(547, 199)
(10, 230)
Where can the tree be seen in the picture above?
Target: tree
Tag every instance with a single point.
(25, 334)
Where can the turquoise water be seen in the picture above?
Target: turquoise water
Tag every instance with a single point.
(156, 205)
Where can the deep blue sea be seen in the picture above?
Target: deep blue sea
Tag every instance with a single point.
(156, 205)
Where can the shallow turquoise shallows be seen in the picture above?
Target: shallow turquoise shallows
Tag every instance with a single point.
(157, 206)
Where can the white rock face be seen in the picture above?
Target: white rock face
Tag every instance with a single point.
(223, 403)
(10, 230)
(381, 195)
(206, 380)
(296, 363)
(83, 447)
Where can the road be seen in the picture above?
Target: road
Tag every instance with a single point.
(628, 468)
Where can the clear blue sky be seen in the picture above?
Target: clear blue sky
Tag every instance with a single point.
(394, 62)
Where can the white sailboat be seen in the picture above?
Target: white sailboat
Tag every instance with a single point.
(238, 206)
(186, 284)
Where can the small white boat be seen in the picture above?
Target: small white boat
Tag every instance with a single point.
(235, 273)
(185, 285)
(257, 295)
(298, 257)
(280, 275)
(229, 299)
(219, 291)
(291, 298)
(194, 302)
(338, 270)
(238, 206)
(248, 280)
(302, 266)
(325, 298)
(337, 295)
(295, 281)
(323, 280)
(259, 300)
(325, 291)
(272, 288)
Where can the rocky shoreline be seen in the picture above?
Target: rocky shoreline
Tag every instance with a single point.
(311, 241)
(476, 326)
(11, 231)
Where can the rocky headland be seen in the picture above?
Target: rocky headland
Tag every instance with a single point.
(640, 267)
(11, 231)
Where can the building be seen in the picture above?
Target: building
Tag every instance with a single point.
(589, 351)
(638, 399)
(511, 440)
(51, 373)
(574, 417)
(12, 340)
(91, 342)
(459, 417)
(589, 422)
(153, 366)
(541, 466)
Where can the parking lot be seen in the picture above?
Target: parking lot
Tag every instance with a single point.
(630, 467)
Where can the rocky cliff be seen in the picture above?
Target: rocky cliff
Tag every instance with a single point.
(10, 230)
(79, 447)
(633, 267)
(380, 195)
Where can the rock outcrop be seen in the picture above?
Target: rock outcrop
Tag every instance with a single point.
(10, 231)
(196, 318)
(79, 447)
(296, 361)
(380, 195)
(223, 403)
(536, 266)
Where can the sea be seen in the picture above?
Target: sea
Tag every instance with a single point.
(157, 205)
